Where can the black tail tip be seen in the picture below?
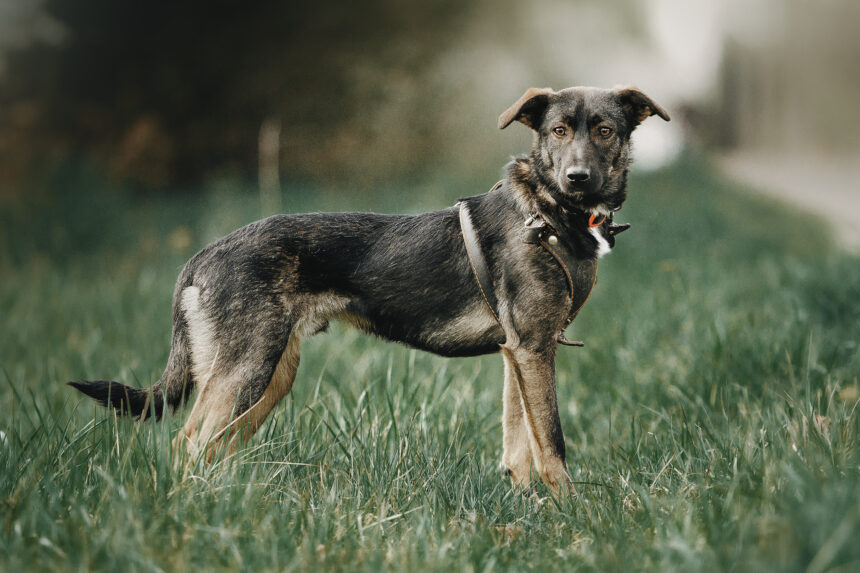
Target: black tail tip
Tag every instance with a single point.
(124, 399)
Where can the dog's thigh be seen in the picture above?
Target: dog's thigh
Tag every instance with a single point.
(244, 426)
(221, 408)
(517, 456)
(234, 357)
(535, 374)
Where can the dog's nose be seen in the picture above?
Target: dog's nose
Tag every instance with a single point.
(578, 174)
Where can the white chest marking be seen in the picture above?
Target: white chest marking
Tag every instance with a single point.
(602, 246)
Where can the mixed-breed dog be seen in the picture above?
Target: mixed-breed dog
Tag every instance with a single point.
(504, 271)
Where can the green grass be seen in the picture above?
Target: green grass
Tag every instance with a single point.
(711, 420)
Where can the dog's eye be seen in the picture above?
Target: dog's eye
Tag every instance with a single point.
(559, 130)
(605, 131)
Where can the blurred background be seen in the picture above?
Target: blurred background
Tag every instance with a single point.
(347, 96)
(711, 418)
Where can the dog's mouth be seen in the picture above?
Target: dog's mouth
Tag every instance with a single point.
(582, 190)
(579, 192)
(588, 198)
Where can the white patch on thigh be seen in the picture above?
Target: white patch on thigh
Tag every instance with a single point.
(201, 333)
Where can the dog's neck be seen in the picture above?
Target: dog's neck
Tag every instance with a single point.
(540, 195)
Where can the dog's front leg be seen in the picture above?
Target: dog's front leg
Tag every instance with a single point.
(517, 456)
(534, 376)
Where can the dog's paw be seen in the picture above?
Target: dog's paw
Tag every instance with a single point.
(557, 478)
(520, 475)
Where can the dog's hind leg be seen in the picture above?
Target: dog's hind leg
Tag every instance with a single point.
(517, 456)
(242, 427)
(242, 363)
(535, 376)
(231, 406)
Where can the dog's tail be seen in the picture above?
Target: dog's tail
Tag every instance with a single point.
(124, 399)
(173, 389)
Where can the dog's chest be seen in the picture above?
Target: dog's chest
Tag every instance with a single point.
(579, 270)
(581, 276)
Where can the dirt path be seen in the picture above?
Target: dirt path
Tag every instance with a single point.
(828, 187)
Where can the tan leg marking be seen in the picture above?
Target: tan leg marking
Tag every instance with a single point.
(535, 374)
(212, 424)
(242, 428)
(517, 456)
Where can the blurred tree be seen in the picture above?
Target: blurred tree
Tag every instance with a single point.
(173, 92)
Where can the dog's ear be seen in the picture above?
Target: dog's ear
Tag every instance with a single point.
(528, 109)
(637, 106)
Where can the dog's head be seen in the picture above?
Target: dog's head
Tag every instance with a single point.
(582, 140)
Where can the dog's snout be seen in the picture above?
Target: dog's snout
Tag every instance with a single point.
(578, 174)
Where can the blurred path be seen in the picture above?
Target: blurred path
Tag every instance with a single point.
(828, 187)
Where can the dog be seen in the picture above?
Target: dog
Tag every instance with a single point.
(505, 272)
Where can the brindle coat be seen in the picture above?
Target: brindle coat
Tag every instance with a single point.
(243, 304)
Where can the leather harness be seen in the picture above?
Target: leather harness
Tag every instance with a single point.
(536, 231)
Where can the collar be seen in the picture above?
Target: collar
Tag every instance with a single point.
(593, 221)
(537, 227)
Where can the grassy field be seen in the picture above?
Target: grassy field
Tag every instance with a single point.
(711, 420)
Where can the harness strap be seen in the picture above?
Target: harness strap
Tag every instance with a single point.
(477, 261)
(540, 232)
